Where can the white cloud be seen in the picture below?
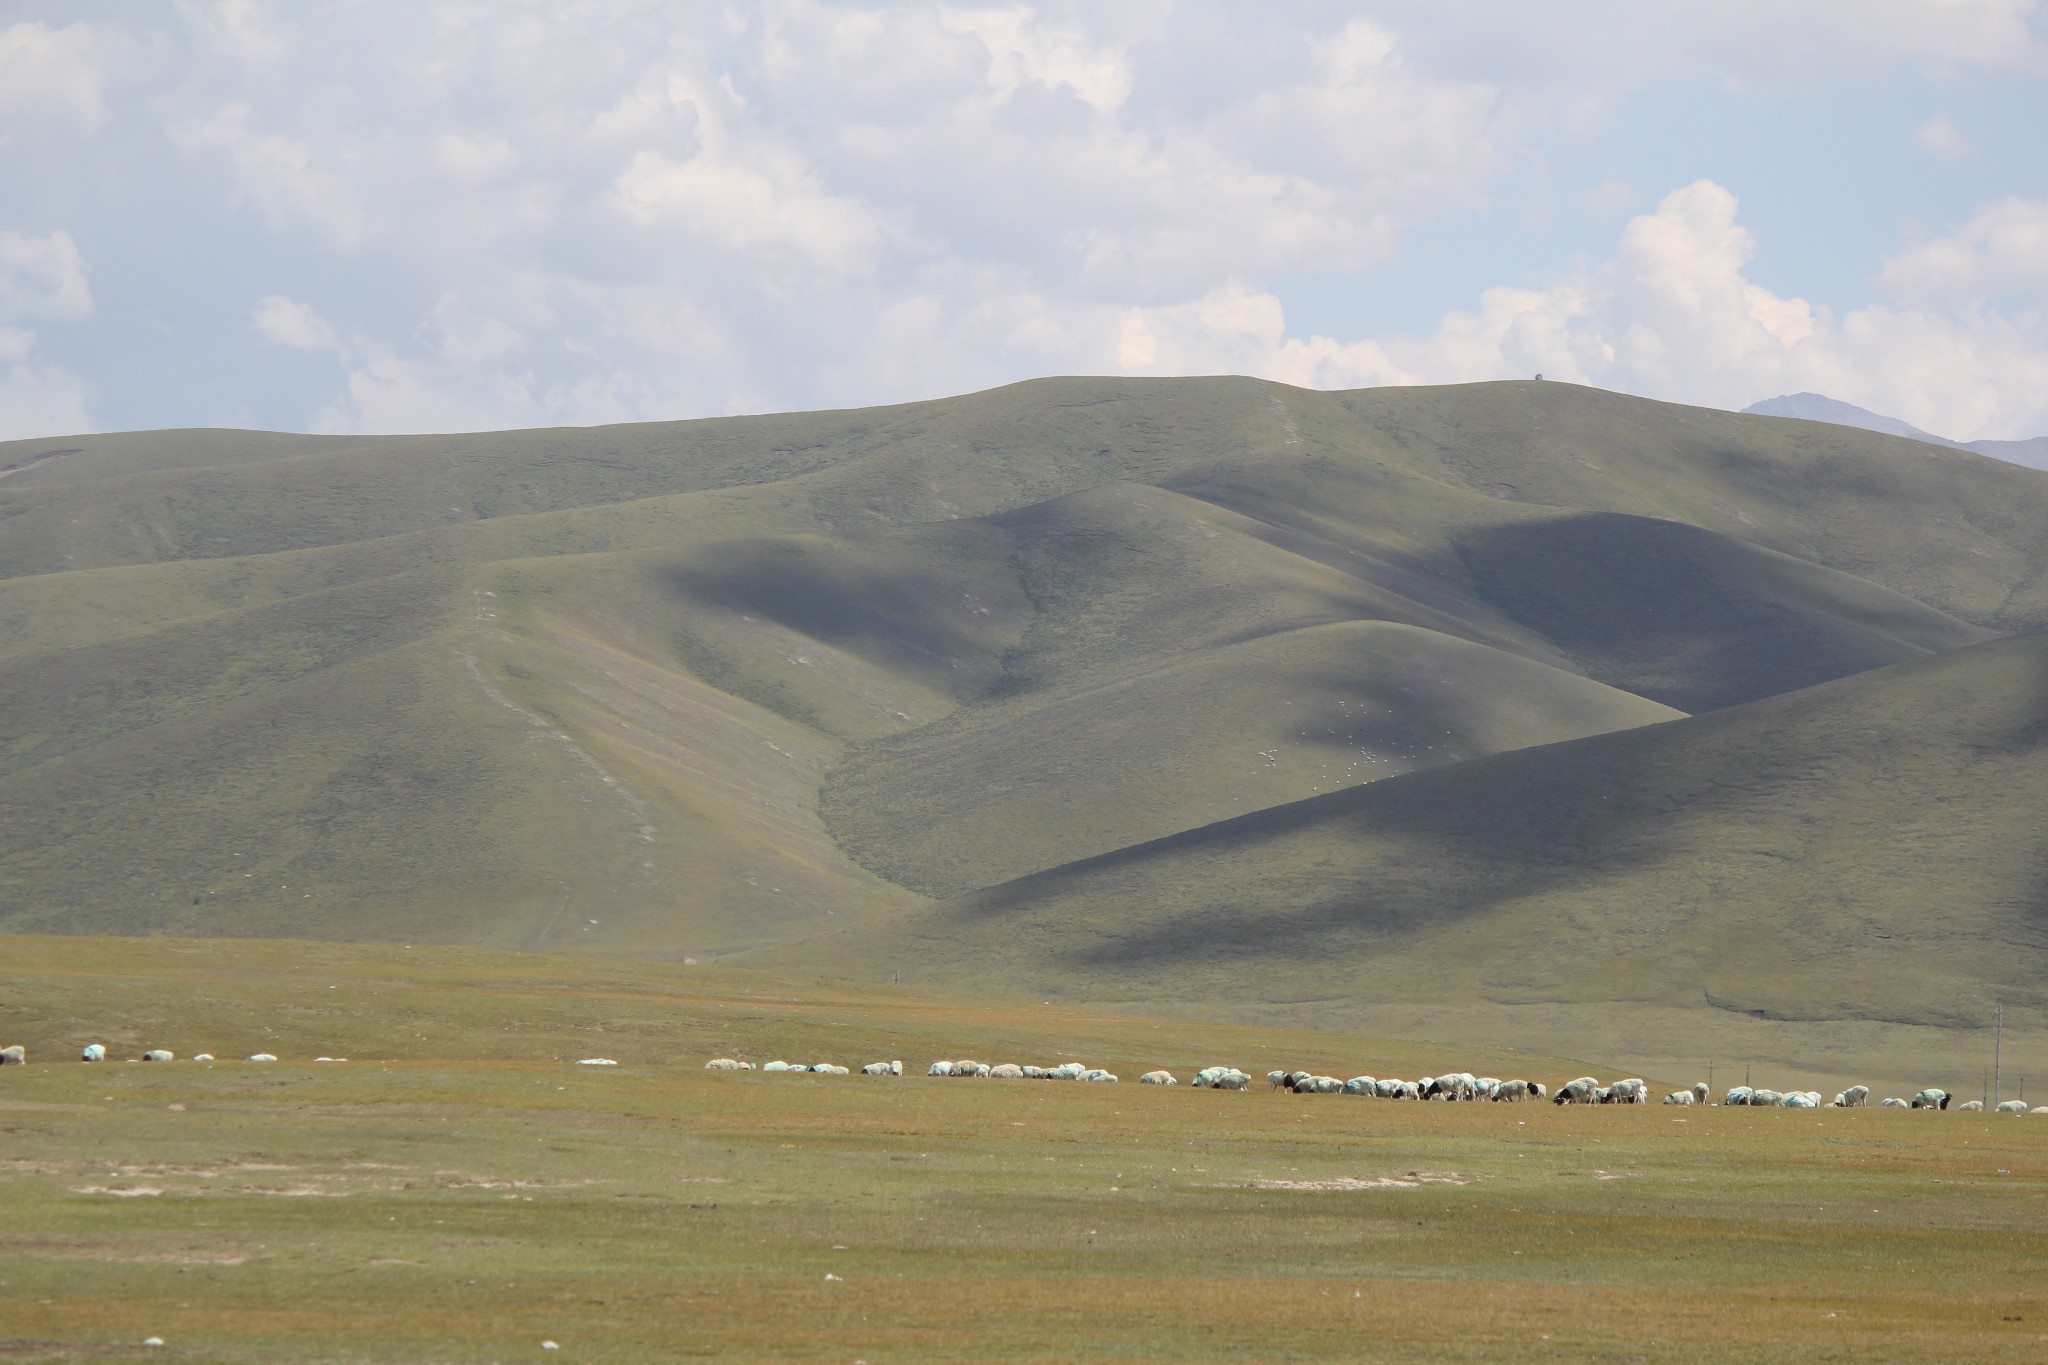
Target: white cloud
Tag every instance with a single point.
(2002, 250)
(43, 277)
(41, 401)
(53, 72)
(1939, 137)
(291, 323)
(1671, 314)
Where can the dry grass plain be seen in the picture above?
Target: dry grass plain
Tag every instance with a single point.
(459, 1191)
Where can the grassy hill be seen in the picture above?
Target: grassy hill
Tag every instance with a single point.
(1855, 871)
(689, 689)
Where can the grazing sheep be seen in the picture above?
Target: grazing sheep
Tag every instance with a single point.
(587, 1061)
(1157, 1078)
(1222, 1078)
(1098, 1074)
(202, 1056)
(1512, 1092)
(1537, 1090)
(1034, 1073)
(1893, 1102)
(778, 1065)
(157, 1054)
(1738, 1095)
(14, 1056)
(1486, 1088)
(1684, 1097)
(262, 1057)
(1970, 1107)
(1932, 1098)
(1699, 1092)
(1801, 1099)
(940, 1069)
(2039, 1109)
(1634, 1090)
(1583, 1090)
(1855, 1097)
(1407, 1090)
(1295, 1078)
(727, 1064)
(94, 1052)
(1067, 1071)
(1604, 1095)
(1276, 1079)
(2012, 1107)
(977, 1070)
(877, 1069)
(1387, 1088)
(1766, 1098)
(1008, 1071)
(1361, 1085)
(1457, 1085)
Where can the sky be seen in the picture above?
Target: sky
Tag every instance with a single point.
(370, 216)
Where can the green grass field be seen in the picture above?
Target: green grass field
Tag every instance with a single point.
(460, 1191)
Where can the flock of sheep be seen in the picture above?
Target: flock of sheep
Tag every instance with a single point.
(97, 1052)
(1460, 1085)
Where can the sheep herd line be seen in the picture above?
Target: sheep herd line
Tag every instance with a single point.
(1461, 1085)
(97, 1052)
(1458, 1085)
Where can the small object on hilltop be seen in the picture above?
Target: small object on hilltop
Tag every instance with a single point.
(152, 1341)
(94, 1052)
(550, 1346)
(14, 1056)
(263, 1057)
(157, 1054)
(330, 1059)
(202, 1057)
(597, 1061)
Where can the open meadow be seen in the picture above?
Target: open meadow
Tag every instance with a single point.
(459, 1190)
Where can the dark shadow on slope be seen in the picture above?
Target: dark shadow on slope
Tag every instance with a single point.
(1694, 619)
(883, 616)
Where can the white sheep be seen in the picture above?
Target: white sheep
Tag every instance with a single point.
(94, 1052)
(1157, 1078)
(157, 1054)
(727, 1064)
(14, 1056)
(2012, 1107)
(1008, 1071)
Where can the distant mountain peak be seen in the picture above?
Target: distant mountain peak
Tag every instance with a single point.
(1818, 407)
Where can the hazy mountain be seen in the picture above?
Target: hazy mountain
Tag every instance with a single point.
(1814, 407)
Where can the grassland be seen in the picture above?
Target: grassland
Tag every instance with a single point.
(459, 1191)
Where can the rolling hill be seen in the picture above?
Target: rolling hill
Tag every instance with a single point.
(727, 686)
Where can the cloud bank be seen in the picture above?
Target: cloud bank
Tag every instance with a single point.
(444, 215)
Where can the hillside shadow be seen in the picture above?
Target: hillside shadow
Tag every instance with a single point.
(1364, 869)
(1691, 618)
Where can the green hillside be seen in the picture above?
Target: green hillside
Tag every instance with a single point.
(696, 688)
(1850, 872)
